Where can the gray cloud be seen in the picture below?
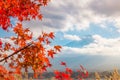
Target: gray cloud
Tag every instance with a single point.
(106, 7)
(65, 15)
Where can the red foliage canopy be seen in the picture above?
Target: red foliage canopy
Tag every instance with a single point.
(20, 9)
(26, 52)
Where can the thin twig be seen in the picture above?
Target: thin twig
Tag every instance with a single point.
(16, 52)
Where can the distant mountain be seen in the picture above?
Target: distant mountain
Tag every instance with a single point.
(84, 41)
(91, 62)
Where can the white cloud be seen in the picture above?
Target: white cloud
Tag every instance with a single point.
(65, 15)
(62, 15)
(100, 46)
(109, 9)
(72, 37)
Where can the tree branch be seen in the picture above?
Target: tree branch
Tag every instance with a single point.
(16, 52)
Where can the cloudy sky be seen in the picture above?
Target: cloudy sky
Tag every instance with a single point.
(89, 29)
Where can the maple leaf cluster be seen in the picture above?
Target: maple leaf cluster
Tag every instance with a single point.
(22, 10)
(27, 52)
(30, 53)
(5, 74)
(67, 74)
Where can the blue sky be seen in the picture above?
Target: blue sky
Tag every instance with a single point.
(88, 30)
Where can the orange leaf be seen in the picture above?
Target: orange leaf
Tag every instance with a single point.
(41, 39)
(0, 43)
(57, 48)
(63, 63)
(51, 53)
(40, 17)
(47, 41)
(51, 35)
(49, 65)
(5, 55)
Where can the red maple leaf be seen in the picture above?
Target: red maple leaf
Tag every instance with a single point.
(57, 48)
(63, 63)
(51, 53)
(51, 35)
(0, 43)
(69, 70)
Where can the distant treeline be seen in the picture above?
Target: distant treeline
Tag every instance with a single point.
(74, 75)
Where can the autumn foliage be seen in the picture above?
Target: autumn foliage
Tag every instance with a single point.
(67, 73)
(26, 52)
(22, 10)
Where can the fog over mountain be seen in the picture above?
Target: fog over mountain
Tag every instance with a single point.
(90, 62)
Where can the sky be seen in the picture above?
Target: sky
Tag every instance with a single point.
(87, 30)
